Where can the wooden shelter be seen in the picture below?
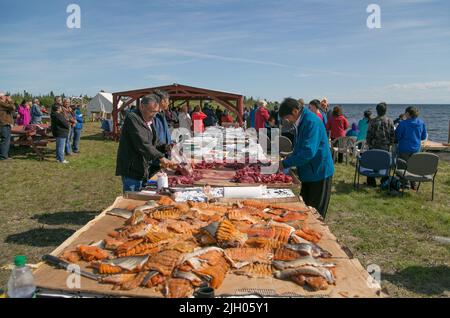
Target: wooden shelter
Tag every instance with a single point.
(232, 102)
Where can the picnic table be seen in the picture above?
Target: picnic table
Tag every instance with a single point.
(36, 137)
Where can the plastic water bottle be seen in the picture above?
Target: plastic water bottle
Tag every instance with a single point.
(21, 284)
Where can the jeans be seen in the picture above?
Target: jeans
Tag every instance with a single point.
(60, 145)
(5, 141)
(76, 139)
(131, 185)
(69, 138)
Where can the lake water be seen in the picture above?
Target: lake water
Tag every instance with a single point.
(436, 117)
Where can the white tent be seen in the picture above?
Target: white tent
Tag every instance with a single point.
(102, 105)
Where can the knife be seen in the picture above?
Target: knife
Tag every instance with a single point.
(59, 263)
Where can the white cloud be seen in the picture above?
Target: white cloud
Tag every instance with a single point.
(179, 52)
(161, 77)
(436, 85)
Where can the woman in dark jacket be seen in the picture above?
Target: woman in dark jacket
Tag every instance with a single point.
(60, 130)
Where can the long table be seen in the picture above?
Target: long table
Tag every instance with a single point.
(352, 279)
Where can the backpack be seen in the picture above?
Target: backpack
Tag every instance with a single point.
(394, 182)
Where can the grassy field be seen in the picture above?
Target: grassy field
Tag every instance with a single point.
(43, 203)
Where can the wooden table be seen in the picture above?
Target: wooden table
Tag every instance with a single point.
(36, 137)
(351, 278)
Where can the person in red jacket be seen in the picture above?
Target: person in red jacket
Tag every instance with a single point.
(262, 115)
(226, 117)
(197, 120)
(338, 124)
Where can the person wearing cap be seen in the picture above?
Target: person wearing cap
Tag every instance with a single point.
(138, 145)
(311, 155)
(6, 122)
(262, 115)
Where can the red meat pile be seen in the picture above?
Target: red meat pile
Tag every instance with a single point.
(252, 174)
(184, 180)
(208, 165)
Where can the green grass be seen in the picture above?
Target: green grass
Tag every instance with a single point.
(43, 203)
(396, 232)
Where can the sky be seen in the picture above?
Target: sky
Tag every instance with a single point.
(260, 48)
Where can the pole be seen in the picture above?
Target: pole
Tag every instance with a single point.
(448, 132)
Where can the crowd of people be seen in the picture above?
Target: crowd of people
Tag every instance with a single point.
(146, 142)
(66, 123)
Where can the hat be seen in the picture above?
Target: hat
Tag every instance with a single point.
(262, 101)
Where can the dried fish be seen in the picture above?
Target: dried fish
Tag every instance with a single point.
(255, 270)
(309, 249)
(306, 270)
(117, 279)
(91, 253)
(123, 213)
(71, 256)
(178, 288)
(252, 255)
(147, 207)
(228, 236)
(104, 268)
(302, 261)
(129, 263)
(193, 278)
(163, 262)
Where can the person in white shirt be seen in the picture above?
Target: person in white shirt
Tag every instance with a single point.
(184, 118)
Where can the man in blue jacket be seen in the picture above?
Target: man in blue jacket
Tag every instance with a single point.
(409, 135)
(311, 155)
(160, 123)
(252, 116)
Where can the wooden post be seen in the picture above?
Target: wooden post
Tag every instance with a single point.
(115, 114)
(448, 132)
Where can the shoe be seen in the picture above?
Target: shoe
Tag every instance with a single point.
(64, 162)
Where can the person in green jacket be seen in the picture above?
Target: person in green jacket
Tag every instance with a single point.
(363, 124)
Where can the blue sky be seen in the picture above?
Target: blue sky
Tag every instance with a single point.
(268, 49)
